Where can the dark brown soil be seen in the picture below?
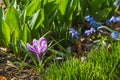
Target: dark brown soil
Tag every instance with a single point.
(11, 71)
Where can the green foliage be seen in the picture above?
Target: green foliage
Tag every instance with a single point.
(100, 10)
(1, 15)
(26, 20)
(100, 65)
(6, 33)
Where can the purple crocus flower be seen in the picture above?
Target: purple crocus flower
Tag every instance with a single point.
(89, 32)
(114, 35)
(38, 47)
(74, 33)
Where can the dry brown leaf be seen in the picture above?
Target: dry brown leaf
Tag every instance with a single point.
(3, 78)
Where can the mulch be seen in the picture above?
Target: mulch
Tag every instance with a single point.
(11, 71)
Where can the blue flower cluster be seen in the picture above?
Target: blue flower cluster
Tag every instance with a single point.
(113, 19)
(96, 26)
(93, 24)
(116, 3)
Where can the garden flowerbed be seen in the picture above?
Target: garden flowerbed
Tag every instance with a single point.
(59, 40)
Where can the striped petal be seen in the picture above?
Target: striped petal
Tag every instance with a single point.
(43, 44)
(30, 47)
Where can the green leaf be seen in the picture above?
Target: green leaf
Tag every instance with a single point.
(63, 9)
(12, 19)
(66, 8)
(31, 8)
(1, 15)
(6, 33)
(95, 5)
(23, 35)
(34, 19)
(57, 52)
(50, 10)
(24, 48)
(37, 20)
(103, 14)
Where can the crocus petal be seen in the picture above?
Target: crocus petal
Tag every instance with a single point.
(43, 49)
(30, 47)
(36, 48)
(42, 42)
(35, 41)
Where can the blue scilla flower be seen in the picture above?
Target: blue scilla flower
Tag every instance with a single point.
(116, 3)
(114, 35)
(74, 33)
(108, 21)
(92, 22)
(118, 19)
(89, 32)
(88, 18)
(113, 19)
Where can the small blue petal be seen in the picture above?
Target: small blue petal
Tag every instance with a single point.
(90, 32)
(108, 21)
(115, 3)
(87, 18)
(118, 18)
(114, 35)
(74, 33)
(93, 24)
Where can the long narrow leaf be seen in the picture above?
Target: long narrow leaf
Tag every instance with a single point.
(1, 15)
(6, 33)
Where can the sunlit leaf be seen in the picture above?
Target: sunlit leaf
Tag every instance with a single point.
(32, 7)
(12, 19)
(6, 33)
(23, 35)
(1, 15)
(37, 20)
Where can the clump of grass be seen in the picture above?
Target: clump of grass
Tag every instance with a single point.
(101, 65)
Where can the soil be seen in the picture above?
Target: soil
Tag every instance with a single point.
(11, 71)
